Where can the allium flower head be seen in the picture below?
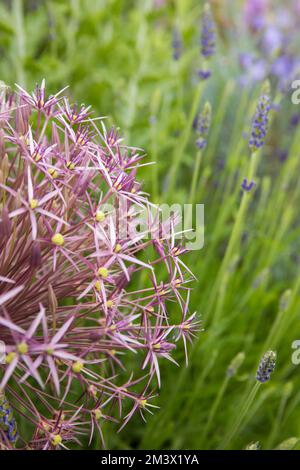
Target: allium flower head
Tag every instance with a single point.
(70, 254)
(266, 367)
(260, 123)
(235, 364)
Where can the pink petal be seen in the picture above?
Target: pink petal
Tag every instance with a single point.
(61, 331)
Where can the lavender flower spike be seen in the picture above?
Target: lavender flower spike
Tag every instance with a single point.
(260, 123)
(207, 40)
(266, 366)
(203, 125)
(7, 422)
(176, 44)
(208, 33)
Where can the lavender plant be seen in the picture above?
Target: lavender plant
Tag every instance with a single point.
(70, 203)
(207, 41)
(273, 30)
(264, 371)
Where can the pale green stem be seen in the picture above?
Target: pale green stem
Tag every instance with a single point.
(215, 407)
(280, 324)
(195, 177)
(235, 235)
(179, 150)
(156, 102)
(237, 424)
(276, 426)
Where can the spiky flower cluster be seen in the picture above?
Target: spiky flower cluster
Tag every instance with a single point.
(82, 291)
(260, 123)
(266, 366)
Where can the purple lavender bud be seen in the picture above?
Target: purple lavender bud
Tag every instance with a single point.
(247, 186)
(201, 143)
(295, 119)
(272, 40)
(266, 366)
(260, 123)
(204, 74)
(208, 33)
(282, 154)
(176, 44)
(202, 125)
(283, 67)
(7, 421)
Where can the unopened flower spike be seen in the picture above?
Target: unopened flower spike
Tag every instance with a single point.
(260, 123)
(207, 40)
(203, 125)
(176, 44)
(208, 32)
(266, 366)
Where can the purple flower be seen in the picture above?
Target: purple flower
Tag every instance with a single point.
(283, 67)
(272, 40)
(295, 119)
(8, 426)
(176, 44)
(266, 366)
(260, 123)
(255, 69)
(202, 126)
(247, 186)
(255, 12)
(208, 33)
(204, 74)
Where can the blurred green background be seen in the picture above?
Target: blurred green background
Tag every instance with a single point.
(117, 55)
